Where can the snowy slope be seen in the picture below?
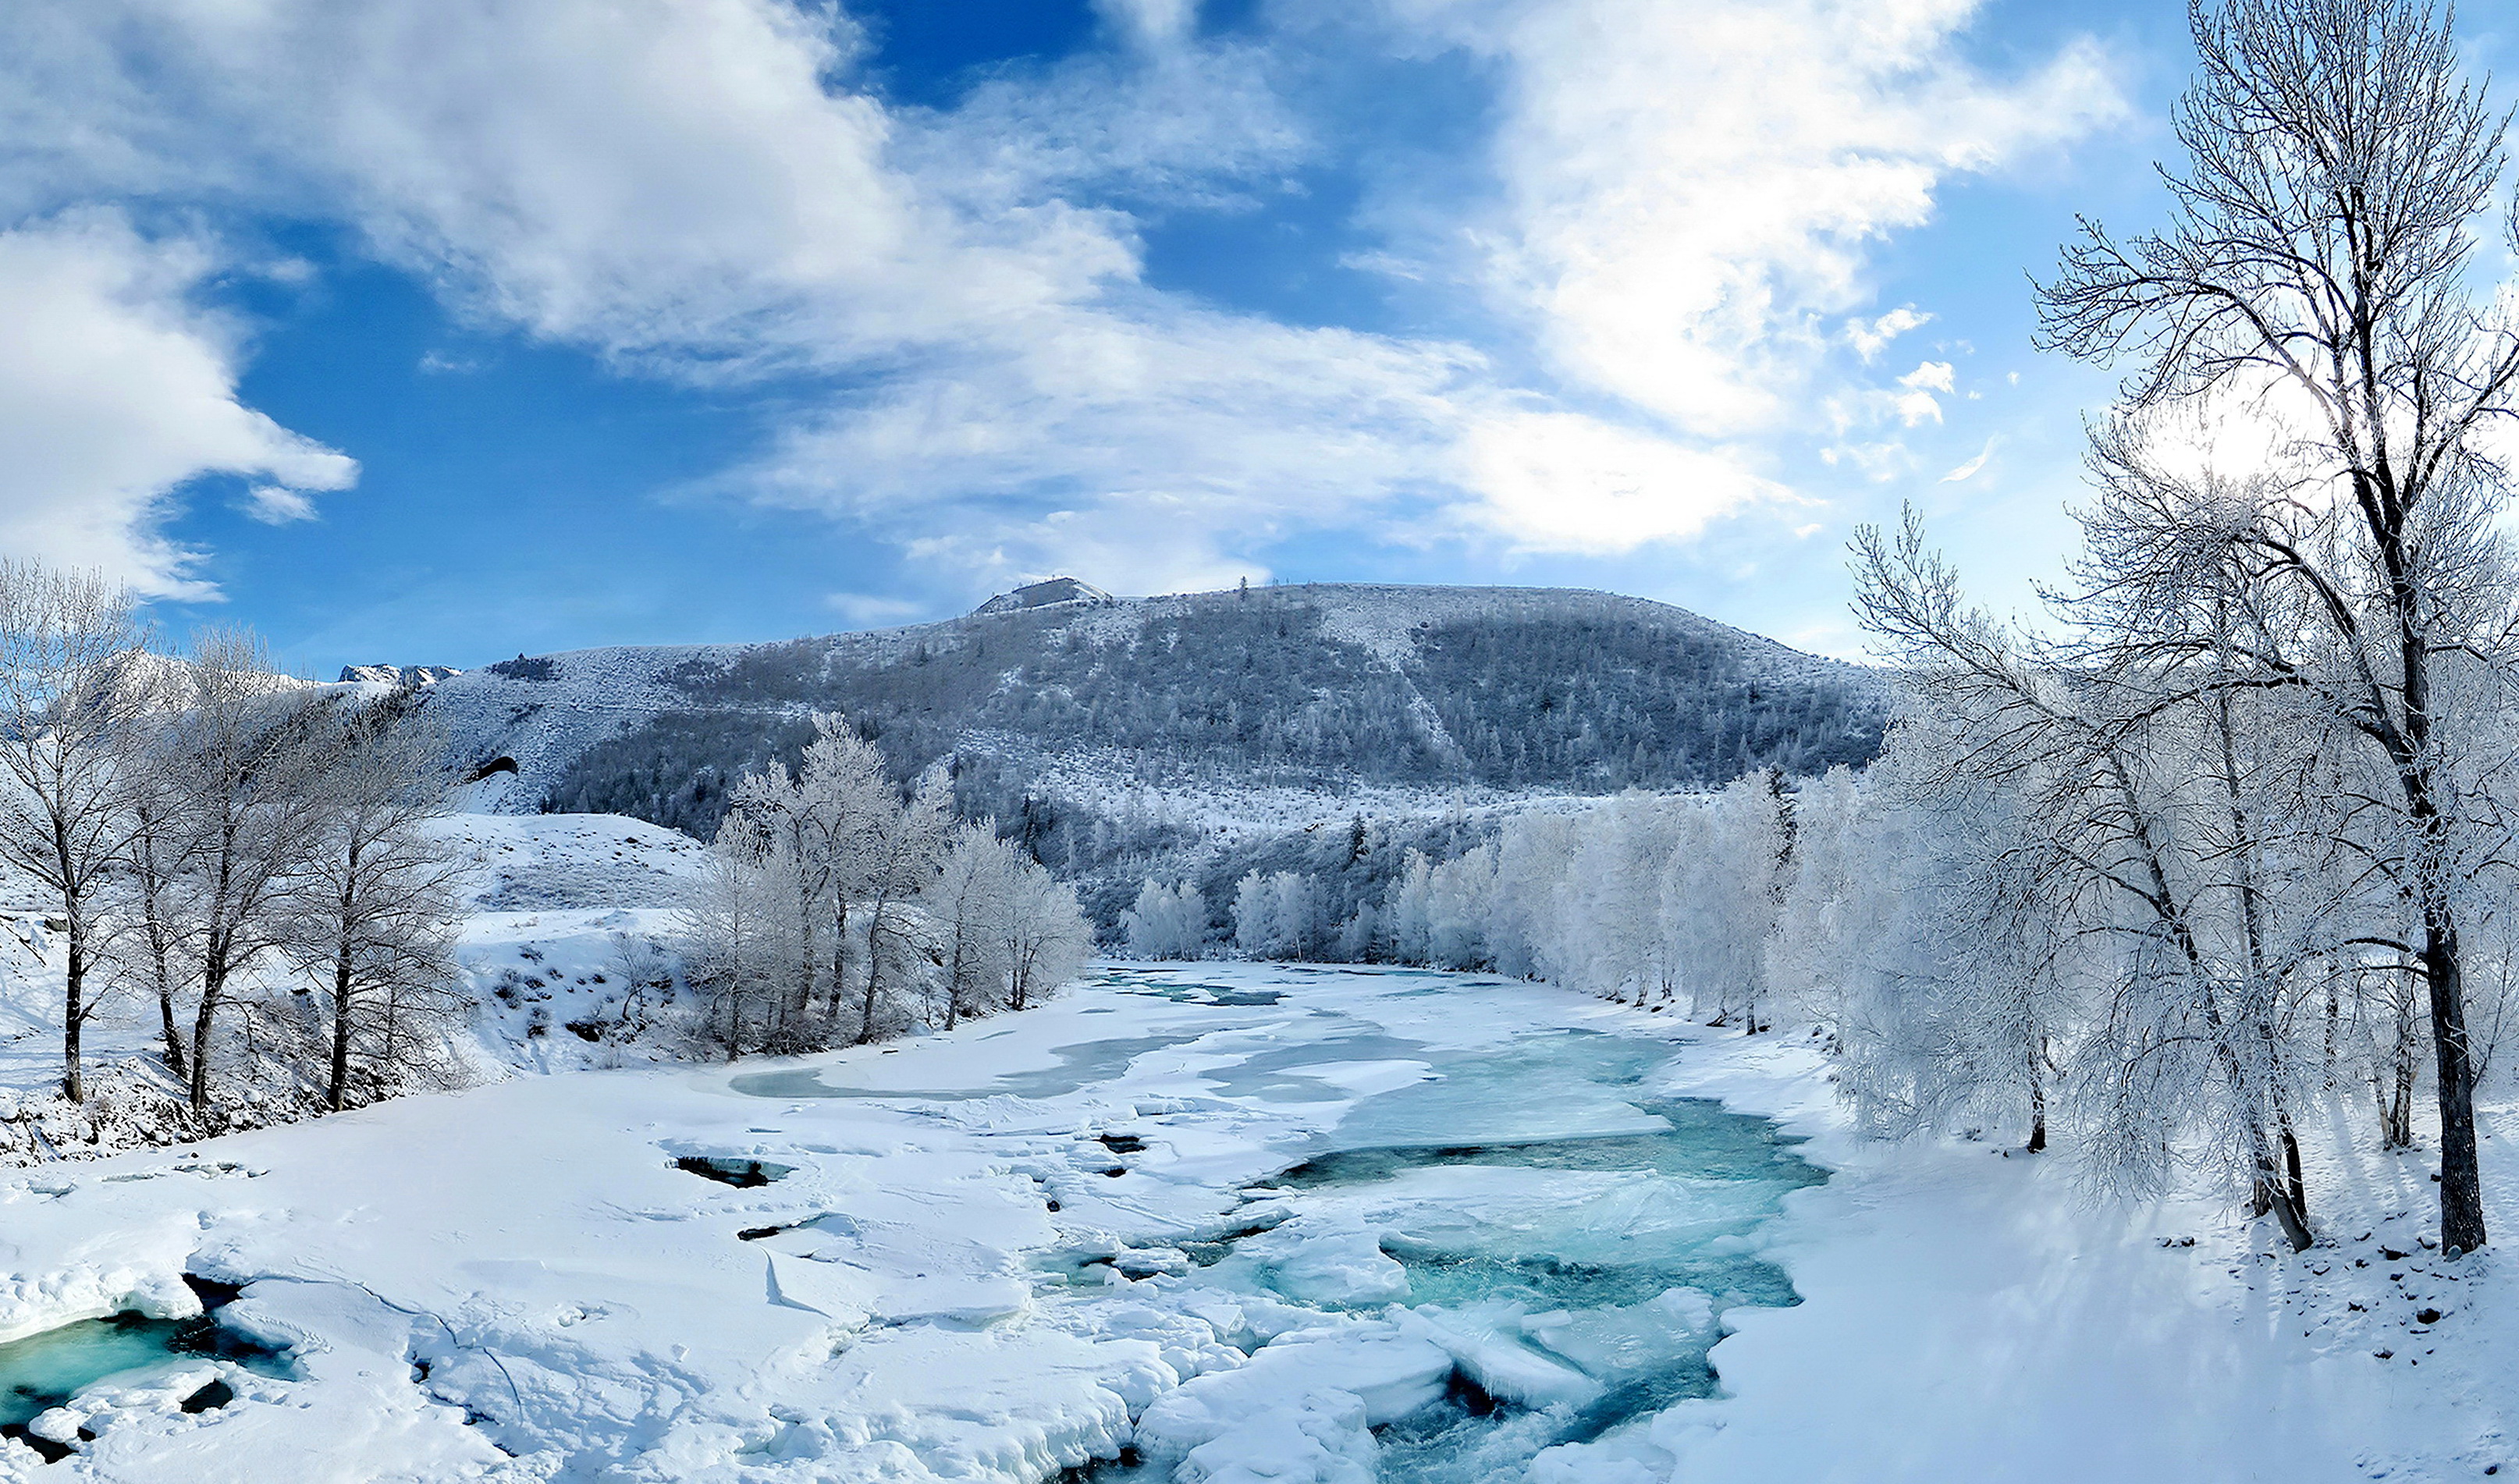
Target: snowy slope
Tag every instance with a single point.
(543, 714)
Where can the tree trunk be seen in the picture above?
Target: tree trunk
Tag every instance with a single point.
(341, 988)
(175, 1060)
(213, 983)
(839, 947)
(2037, 1102)
(2461, 1195)
(73, 1016)
(873, 972)
(806, 961)
(164, 974)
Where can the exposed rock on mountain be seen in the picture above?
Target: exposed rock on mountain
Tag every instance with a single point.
(1043, 594)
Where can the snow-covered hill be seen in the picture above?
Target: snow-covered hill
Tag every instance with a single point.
(1435, 688)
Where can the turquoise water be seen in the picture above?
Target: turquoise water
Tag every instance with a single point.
(43, 1371)
(1535, 1184)
(1688, 1197)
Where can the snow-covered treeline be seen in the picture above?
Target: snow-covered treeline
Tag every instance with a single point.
(1664, 899)
(836, 911)
(1981, 947)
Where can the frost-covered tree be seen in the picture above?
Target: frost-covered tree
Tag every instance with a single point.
(966, 905)
(147, 940)
(378, 902)
(729, 951)
(1458, 902)
(246, 757)
(1166, 922)
(1256, 931)
(67, 687)
(1047, 940)
(2317, 271)
(2107, 839)
(834, 907)
(825, 821)
(1407, 911)
(901, 856)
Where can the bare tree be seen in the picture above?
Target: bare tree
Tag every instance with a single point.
(147, 937)
(67, 642)
(2316, 270)
(377, 902)
(2118, 843)
(247, 757)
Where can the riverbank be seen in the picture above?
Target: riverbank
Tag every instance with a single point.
(1971, 1314)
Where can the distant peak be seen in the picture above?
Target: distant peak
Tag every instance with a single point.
(398, 675)
(1042, 594)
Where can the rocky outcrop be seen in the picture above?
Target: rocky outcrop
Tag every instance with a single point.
(1043, 594)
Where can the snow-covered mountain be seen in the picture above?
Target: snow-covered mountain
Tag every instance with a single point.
(1330, 686)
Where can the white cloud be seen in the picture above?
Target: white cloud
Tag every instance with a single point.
(277, 506)
(1870, 337)
(115, 391)
(1969, 471)
(1563, 482)
(1689, 188)
(1172, 437)
(1929, 376)
(1686, 200)
(870, 610)
(1878, 461)
(1150, 22)
(1915, 404)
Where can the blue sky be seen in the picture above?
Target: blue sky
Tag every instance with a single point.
(437, 331)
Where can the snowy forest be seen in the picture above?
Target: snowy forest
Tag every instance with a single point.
(1301, 1032)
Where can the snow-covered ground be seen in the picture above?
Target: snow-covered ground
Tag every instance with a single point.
(1137, 1218)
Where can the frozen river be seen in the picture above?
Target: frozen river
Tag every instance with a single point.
(1506, 1242)
(1208, 1222)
